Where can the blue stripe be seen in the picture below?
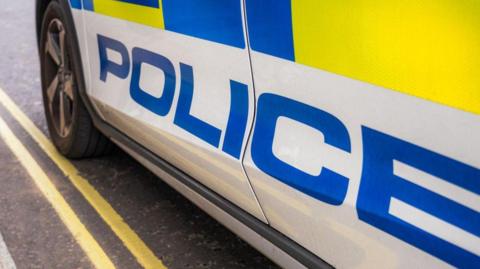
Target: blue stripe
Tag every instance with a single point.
(88, 5)
(77, 4)
(270, 27)
(214, 20)
(147, 3)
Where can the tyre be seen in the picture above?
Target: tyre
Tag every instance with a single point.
(69, 123)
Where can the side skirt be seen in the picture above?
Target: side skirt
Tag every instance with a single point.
(287, 245)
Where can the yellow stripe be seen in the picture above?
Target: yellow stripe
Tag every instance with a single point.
(86, 241)
(429, 49)
(130, 239)
(131, 12)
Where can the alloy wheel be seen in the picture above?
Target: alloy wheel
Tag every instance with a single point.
(59, 78)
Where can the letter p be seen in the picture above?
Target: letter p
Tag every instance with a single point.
(120, 70)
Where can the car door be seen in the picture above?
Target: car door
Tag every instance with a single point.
(175, 76)
(365, 147)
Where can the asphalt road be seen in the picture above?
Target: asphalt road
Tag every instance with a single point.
(177, 232)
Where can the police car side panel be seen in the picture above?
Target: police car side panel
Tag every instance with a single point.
(358, 174)
(244, 231)
(190, 134)
(362, 175)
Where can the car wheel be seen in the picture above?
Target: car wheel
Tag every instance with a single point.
(70, 126)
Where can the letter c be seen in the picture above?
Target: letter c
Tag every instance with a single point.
(328, 186)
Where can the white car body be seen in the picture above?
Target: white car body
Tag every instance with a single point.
(365, 115)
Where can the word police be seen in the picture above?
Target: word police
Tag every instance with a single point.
(379, 184)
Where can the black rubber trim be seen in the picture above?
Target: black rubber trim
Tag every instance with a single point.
(296, 251)
(299, 253)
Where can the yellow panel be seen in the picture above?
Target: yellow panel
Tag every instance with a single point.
(131, 12)
(426, 48)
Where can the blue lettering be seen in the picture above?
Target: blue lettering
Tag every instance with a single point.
(158, 105)
(237, 120)
(379, 185)
(328, 186)
(184, 119)
(107, 66)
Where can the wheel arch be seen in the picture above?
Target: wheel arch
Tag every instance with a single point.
(40, 7)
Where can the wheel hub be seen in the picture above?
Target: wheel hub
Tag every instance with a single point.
(59, 93)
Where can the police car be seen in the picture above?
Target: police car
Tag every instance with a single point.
(324, 133)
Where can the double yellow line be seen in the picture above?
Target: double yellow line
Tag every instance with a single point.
(87, 242)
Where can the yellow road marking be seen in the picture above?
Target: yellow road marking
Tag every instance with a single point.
(86, 241)
(130, 239)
